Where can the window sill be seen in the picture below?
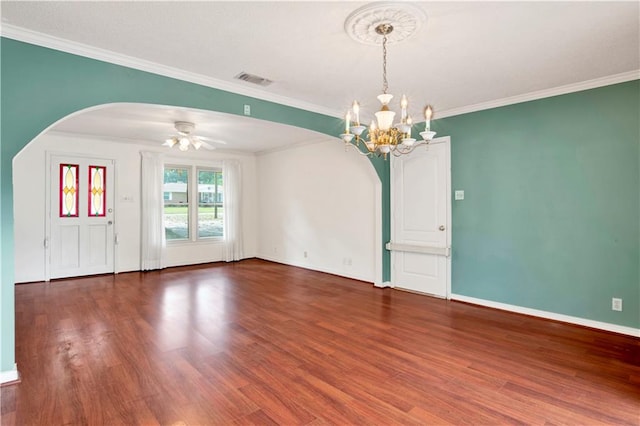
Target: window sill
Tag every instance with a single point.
(202, 242)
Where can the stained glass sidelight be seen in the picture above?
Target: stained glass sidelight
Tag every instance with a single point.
(68, 190)
(97, 190)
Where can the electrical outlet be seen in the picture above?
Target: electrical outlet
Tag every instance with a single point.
(458, 195)
(247, 110)
(616, 304)
(305, 254)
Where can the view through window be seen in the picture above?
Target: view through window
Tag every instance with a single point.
(181, 210)
(210, 209)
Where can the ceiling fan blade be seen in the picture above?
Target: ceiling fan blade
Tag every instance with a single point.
(205, 138)
(206, 145)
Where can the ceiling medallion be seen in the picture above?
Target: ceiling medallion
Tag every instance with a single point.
(405, 18)
(384, 136)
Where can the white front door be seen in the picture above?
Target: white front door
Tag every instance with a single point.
(81, 229)
(420, 222)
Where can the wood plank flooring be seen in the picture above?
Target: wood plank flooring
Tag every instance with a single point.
(261, 343)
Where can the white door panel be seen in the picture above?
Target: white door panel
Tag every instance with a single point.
(97, 256)
(67, 246)
(420, 183)
(420, 219)
(80, 243)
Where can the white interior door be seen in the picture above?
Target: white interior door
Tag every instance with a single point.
(81, 229)
(420, 228)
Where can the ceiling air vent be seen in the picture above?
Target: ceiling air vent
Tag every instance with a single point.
(255, 79)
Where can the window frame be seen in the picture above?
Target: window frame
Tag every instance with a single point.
(198, 169)
(193, 201)
(189, 219)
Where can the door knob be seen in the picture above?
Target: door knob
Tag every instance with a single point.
(110, 222)
(442, 228)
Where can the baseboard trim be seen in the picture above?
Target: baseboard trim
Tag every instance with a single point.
(615, 328)
(386, 284)
(314, 268)
(10, 377)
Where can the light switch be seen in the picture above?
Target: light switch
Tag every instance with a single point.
(459, 195)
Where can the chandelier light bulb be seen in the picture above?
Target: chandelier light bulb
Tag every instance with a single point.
(347, 122)
(428, 113)
(404, 103)
(356, 111)
(183, 147)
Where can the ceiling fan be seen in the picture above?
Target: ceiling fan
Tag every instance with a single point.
(185, 139)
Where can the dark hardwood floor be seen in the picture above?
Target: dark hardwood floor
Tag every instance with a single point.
(262, 343)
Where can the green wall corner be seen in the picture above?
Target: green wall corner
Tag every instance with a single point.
(551, 216)
(550, 219)
(41, 86)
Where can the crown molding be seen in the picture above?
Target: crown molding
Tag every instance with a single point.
(546, 93)
(63, 45)
(56, 43)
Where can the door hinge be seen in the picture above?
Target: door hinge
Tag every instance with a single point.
(46, 243)
(116, 239)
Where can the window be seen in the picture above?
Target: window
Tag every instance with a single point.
(210, 210)
(176, 207)
(97, 190)
(180, 210)
(69, 190)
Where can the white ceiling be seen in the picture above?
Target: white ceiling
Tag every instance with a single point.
(467, 53)
(153, 124)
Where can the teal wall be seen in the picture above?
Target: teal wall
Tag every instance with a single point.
(551, 217)
(40, 86)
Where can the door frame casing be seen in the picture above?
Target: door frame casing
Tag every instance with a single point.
(47, 199)
(449, 228)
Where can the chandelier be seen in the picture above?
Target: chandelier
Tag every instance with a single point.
(383, 136)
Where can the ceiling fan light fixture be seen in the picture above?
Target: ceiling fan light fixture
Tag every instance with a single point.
(185, 139)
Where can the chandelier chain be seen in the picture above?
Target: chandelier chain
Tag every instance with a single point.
(385, 85)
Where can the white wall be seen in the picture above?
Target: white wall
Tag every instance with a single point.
(314, 198)
(29, 202)
(320, 200)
